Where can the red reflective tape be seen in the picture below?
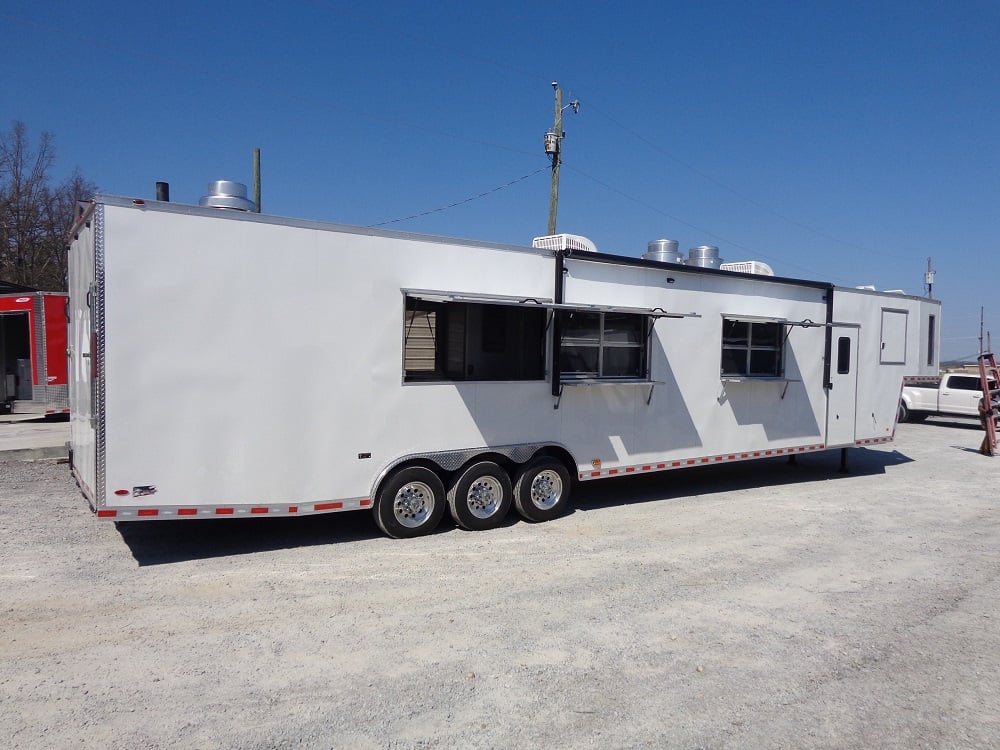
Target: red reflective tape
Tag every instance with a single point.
(293, 508)
(732, 457)
(744, 455)
(122, 493)
(148, 512)
(612, 471)
(187, 511)
(691, 462)
(676, 463)
(107, 513)
(365, 502)
(718, 458)
(661, 466)
(780, 451)
(705, 460)
(768, 453)
(629, 469)
(258, 511)
(224, 511)
(328, 506)
(646, 468)
(756, 454)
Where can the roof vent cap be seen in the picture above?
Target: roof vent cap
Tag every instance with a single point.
(227, 194)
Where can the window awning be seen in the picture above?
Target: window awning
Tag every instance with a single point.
(806, 323)
(431, 295)
(541, 302)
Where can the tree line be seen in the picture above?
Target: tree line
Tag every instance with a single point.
(35, 213)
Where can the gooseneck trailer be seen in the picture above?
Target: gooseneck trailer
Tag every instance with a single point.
(232, 364)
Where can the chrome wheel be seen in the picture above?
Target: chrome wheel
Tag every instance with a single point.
(484, 497)
(546, 489)
(413, 504)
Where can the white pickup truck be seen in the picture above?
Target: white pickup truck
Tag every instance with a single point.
(954, 393)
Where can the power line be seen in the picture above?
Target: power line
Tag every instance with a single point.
(742, 196)
(695, 227)
(461, 202)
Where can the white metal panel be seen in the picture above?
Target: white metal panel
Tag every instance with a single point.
(82, 361)
(252, 362)
(692, 410)
(879, 382)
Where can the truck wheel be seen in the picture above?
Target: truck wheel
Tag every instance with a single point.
(904, 413)
(542, 489)
(480, 496)
(410, 503)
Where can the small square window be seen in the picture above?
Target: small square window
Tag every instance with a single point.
(752, 348)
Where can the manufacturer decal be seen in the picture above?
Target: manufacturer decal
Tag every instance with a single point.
(143, 490)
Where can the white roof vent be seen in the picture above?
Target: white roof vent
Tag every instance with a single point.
(749, 266)
(564, 242)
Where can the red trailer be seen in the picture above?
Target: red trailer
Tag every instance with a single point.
(33, 353)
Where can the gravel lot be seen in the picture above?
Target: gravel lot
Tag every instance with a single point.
(756, 605)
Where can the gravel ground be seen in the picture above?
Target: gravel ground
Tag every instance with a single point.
(756, 605)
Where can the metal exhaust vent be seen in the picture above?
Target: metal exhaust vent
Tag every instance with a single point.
(664, 251)
(227, 194)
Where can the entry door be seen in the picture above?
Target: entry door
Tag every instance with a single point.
(842, 398)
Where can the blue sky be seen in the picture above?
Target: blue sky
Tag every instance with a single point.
(843, 141)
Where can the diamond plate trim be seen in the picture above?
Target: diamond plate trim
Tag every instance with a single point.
(97, 402)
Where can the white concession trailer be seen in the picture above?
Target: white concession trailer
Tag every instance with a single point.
(232, 364)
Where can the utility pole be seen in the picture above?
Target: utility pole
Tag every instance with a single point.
(256, 179)
(929, 280)
(982, 311)
(553, 147)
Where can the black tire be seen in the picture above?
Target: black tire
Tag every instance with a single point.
(410, 503)
(480, 497)
(904, 413)
(542, 490)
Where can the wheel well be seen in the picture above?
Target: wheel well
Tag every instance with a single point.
(423, 463)
(562, 455)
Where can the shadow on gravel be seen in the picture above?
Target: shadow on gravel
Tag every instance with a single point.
(165, 542)
(746, 475)
(970, 423)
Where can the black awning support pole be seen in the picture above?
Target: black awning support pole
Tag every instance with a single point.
(828, 349)
(557, 296)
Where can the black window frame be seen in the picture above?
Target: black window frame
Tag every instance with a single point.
(607, 345)
(501, 330)
(763, 340)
